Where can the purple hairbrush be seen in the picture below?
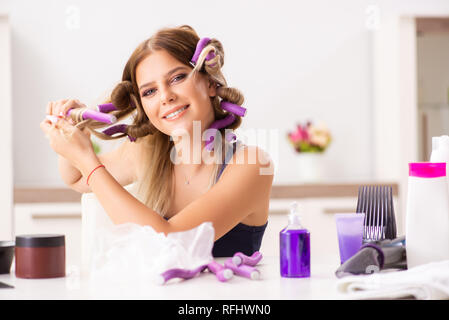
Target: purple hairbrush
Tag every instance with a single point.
(243, 270)
(223, 274)
(179, 273)
(240, 258)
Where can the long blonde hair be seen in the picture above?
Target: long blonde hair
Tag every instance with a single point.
(155, 181)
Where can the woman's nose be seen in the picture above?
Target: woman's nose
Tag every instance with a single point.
(167, 96)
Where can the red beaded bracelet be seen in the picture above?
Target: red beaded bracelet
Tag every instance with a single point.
(93, 172)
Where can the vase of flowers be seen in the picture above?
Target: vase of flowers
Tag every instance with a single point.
(310, 143)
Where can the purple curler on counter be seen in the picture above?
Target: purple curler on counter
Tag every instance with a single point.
(240, 258)
(223, 274)
(179, 273)
(243, 270)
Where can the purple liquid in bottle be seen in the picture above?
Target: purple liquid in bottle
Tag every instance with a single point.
(349, 245)
(294, 248)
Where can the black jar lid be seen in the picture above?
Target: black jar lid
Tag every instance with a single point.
(40, 240)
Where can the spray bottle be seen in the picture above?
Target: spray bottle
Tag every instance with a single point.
(294, 247)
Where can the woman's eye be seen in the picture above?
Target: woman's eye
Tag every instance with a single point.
(179, 77)
(148, 92)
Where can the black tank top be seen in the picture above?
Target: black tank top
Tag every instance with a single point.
(241, 238)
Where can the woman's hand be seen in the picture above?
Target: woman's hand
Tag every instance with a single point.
(70, 142)
(61, 107)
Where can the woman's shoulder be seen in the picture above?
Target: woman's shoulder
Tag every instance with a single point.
(251, 163)
(251, 155)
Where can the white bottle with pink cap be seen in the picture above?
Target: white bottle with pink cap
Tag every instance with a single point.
(427, 220)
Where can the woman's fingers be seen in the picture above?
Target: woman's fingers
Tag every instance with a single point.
(61, 107)
(48, 109)
(69, 104)
(46, 125)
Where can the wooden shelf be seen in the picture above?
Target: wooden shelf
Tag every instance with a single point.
(319, 190)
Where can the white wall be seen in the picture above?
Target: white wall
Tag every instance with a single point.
(6, 160)
(293, 60)
(433, 87)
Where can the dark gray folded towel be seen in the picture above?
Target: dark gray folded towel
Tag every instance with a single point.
(375, 256)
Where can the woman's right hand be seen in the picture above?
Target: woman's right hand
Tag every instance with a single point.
(61, 107)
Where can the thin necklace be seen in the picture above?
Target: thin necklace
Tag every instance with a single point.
(187, 181)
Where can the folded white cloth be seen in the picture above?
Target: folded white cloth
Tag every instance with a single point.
(425, 282)
(130, 253)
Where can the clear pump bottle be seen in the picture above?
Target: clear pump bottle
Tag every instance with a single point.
(294, 247)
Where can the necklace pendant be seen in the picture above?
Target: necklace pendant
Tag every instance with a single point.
(187, 182)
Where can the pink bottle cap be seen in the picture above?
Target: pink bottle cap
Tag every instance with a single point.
(427, 169)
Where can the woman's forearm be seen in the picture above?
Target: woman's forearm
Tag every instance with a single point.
(118, 203)
(69, 173)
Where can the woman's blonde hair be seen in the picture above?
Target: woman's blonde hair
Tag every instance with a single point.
(155, 181)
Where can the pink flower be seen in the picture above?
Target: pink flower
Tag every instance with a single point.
(296, 136)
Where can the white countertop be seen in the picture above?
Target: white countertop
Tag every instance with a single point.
(271, 286)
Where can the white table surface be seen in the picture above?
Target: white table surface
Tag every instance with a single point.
(271, 286)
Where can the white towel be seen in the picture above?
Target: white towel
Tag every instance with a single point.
(425, 282)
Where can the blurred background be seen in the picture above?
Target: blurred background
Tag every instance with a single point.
(372, 75)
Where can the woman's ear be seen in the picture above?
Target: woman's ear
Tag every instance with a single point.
(212, 88)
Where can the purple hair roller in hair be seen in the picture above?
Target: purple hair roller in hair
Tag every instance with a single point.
(106, 107)
(179, 273)
(119, 128)
(202, 43)
(233, 108)
(199, 47)
(218, 125)
(223, 274)
(240, 258)
(243, 270)
(98, 116)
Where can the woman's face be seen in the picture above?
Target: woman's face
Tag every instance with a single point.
(164, 88)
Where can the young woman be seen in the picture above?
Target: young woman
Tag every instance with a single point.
(171, 83)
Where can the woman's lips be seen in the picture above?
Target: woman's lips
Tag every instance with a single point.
(178, 115)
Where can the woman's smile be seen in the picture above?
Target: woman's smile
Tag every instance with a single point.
(176, 114)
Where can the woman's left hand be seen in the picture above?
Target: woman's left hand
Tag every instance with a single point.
(69, 142)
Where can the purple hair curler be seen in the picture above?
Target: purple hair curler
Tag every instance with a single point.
(240, 258)
(223, 274)
(243, 270)
(202, 43)
(218, 125)
(106, 107)
(119, 128)
(95, 115)
(233, 108)
(179, 273)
